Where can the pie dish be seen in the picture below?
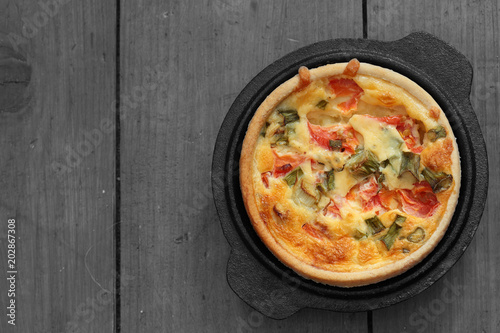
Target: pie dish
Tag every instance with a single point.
(350, 173)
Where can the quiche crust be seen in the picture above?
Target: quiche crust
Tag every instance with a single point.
(305, 236)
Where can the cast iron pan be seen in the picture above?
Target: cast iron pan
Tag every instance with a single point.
(264, 282)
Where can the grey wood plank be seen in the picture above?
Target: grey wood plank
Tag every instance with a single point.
(57, 167)
(201, 54)
(467, 298)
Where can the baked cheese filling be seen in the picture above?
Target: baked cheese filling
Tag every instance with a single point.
(352, 172)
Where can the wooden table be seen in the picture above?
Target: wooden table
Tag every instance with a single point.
(102, 168)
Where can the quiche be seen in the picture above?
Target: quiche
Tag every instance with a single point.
(350, 173)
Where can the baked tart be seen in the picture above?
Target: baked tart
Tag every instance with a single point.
(350, 173)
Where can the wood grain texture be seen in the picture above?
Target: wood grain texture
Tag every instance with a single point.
(467, 299)
(63, 205)
(182, 65)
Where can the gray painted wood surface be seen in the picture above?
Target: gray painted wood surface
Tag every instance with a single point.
(57, 167)
(180, 66)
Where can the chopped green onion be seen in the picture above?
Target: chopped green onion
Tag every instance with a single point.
(436, 133)
(439, 181)
(293, 176)
(264, 129)
(362, 164)
(280, 137)
(330, 180)
(322, 104)
(290, 116)
(282, 141)
(374, 225)
(309, 188)
(335, 144)
(417, 236)
(393, 231)
(358, 234)
(305, 194)
(321, 187)
(381, 178)
(410, 162)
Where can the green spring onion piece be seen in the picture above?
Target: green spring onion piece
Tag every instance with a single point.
(393, 231)
(417, 236)
(290, 116)
(335, 144)
(330, 180)
(358, 234)
(306, 194)
(374, 225)
(264, 129)
(380, 179)
(280, 137)
(321, 187)
(362, 164)
(439, 181)
(289, 129)
(436, 133)
(293, 176)
(322, 104)
(410, 162)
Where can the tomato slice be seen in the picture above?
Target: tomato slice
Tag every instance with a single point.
(367, 193)
(283, 164)
(409, 132)
(346, 87)
(322, 135)
(375, 204)
(390, 120)
(389, 199)
(368, 189)
(419, 201)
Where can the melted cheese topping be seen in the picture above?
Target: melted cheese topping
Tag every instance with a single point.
(381, 139)
(316, 201)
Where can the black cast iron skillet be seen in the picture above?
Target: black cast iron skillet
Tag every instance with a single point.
(263, 281)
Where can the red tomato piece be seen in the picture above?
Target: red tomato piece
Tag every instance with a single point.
(419, 201)
(346, 87)
(375, 204)
(322, 135)
(389, 199)
(390, 120)
(368, 189)
(283, 164)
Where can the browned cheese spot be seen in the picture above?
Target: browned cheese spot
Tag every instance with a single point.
(434, 113)
(438, 156)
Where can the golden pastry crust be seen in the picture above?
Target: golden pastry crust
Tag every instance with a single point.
(312, 205)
